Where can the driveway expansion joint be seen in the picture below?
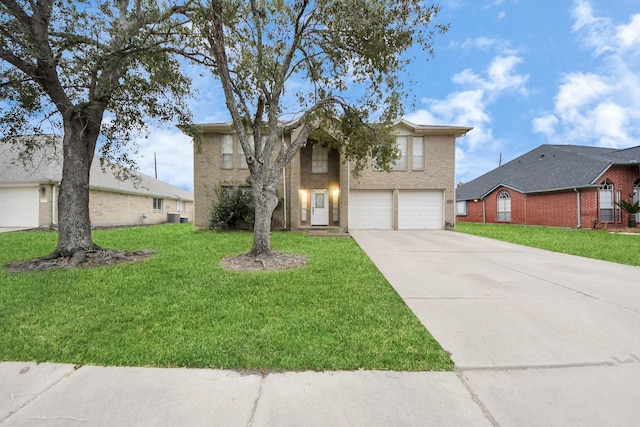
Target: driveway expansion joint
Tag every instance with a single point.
(540, 367)
(476, 399)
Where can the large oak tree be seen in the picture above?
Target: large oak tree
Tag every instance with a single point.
(64, 63)
(316, 68)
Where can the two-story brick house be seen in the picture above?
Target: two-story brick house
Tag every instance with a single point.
(555, 185)
(317, 189)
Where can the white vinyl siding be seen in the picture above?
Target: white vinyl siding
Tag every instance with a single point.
(417, 153)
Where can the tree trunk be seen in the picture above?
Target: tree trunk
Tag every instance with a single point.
(265, 201)
(80, 137)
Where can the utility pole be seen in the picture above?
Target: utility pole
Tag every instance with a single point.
(155, 164)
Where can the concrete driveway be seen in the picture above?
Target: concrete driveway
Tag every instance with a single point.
(538, 338)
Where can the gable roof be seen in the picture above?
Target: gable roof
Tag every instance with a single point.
(45, 166)
(550, 168)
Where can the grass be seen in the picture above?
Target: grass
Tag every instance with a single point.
(180, 308)
(598, 244)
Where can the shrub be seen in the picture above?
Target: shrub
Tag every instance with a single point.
(234, 209)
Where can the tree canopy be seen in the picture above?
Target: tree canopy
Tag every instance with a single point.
(320, 68)
(64, 64)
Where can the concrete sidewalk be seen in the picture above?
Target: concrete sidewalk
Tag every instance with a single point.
(59, 395)
(539, 339)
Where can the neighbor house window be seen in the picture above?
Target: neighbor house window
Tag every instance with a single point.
(417, 152)
(180, 206)
(636, 196)
(504, 206)
(618, 210)
(606, 201)
(319, 159)
(157, 204)
(227, 152)
(461, 208)
(401, 163)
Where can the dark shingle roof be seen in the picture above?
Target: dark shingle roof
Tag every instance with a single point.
(549, 168)
(45, 166)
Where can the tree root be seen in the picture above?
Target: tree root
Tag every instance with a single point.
(80, 258)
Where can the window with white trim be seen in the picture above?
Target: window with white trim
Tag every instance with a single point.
(606, 201)
(180, 206)
(504, 206)
(157, 204)
(618, 210)
(461, 208)
(417, 153)
(319, 159)
(401, 163)
(227, 152)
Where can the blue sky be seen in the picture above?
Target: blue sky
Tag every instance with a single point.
(522, 73)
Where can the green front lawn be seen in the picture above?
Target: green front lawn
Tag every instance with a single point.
(180, 308)
(598, 244)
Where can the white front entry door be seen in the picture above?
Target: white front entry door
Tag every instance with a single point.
(320, 207)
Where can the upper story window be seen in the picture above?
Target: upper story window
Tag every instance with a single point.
(319, 159)
(242, 159)
(417, 153)
(606, 201)
(227, 152)
(401, 163)
(504, 206)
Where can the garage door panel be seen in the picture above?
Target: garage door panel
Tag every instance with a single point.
(19, 207)
(420, 210)
(371, 210)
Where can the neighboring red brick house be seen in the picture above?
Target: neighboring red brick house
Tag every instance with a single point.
(555, 185)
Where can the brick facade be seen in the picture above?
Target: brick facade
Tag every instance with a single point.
(298, 181)
(559, 208)
(110, 208)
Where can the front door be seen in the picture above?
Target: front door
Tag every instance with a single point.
(320, 207)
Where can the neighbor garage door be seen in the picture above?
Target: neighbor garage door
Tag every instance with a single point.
(370, 210)
(420, 210)
(19, 207)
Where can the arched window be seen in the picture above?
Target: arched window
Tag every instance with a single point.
(504, 206)
(606, 201)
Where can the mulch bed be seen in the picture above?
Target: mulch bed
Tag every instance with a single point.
(274, 262)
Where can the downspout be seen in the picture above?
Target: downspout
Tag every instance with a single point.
(484, 213)
(284, 192)
(579, 207)
(284, 189)
(54, 217)
(348, 194)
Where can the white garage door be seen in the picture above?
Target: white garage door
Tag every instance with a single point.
(19, 207)
(370, 210)
(420, 210)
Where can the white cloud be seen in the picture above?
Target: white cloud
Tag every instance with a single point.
(602, 106)
(174, 157)
(471, 106)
